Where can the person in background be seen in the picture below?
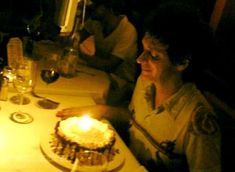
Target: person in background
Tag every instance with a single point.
(172, 127)
(110, 44)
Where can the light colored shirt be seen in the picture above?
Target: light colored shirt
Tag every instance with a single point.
(183, 125)
(122, 43)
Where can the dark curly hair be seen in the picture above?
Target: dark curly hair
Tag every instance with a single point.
(179, 26)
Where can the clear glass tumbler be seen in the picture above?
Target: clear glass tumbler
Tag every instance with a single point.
(90, 161)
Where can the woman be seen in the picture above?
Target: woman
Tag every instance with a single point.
(172, 127)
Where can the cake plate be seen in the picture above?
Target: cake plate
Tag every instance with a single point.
(65, 164)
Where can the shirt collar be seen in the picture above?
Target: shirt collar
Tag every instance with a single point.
(177, 101)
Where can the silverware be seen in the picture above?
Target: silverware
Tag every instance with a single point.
(41, 97)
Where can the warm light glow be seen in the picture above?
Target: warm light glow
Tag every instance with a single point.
(85, 123)
(3, 141)
(10, 77)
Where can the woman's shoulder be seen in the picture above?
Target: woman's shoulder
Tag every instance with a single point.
(203, 120)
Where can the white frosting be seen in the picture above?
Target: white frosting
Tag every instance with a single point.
(87, 132)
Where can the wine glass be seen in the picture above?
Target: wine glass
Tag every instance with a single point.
(49, 74)
(23, 82)
(10, 73)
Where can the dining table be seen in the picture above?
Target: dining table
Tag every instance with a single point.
(86, 82)
(21, 148)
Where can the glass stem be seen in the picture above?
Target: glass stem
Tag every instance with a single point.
(21, 96)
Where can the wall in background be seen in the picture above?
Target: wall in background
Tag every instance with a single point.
(223, 66)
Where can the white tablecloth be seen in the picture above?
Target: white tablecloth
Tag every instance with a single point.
(88, 82)
(20, 143)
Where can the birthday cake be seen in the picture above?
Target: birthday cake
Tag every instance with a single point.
(77, 134)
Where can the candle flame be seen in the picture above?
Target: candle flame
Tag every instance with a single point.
(85, 123)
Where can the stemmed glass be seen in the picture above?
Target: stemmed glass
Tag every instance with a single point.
(23, 82)
(90, 161)
(10, 73)
(49, 74)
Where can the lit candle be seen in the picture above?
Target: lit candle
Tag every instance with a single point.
(85, 123)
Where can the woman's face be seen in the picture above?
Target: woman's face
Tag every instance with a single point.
(154, 61)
